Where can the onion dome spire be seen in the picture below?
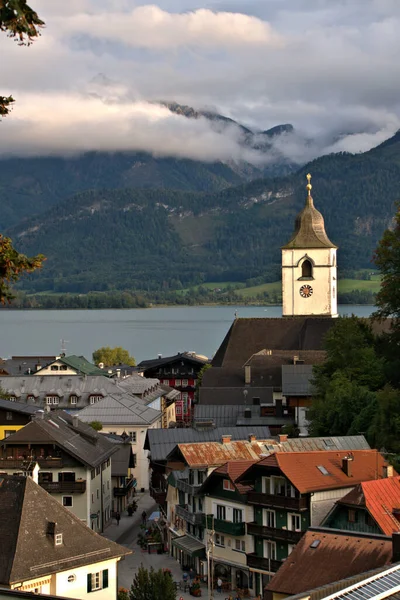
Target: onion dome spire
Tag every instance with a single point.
(309, 229)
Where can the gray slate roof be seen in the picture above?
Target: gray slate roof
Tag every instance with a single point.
(161, 442)
(27, 549)
(120, 410)
(235, 395)
(72, 435)
(122, 459)
(18, 407)
(38, 387)
(296, 380)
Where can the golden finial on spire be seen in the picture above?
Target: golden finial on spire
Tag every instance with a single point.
(309, 186)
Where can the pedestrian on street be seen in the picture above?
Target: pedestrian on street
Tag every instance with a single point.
(144, 517)
(219, 585)
(118, 517)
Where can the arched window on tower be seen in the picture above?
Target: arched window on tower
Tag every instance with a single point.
(306, 269)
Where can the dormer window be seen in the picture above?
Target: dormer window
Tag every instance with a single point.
(95, 398)
(73, 399)
(58, 539)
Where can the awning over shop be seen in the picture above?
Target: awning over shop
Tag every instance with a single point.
(190, 545)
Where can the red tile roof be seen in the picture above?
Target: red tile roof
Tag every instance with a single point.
(380, 497)
(234, 469)
(303, 469)
(336, 557)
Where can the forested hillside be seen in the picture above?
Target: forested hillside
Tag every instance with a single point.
(159, 239)
(30, 186)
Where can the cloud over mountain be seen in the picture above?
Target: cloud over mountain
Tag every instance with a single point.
(329, 68)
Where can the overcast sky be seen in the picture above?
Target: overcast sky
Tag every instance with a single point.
(329, 67)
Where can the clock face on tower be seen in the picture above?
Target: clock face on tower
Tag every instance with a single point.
(306, 291)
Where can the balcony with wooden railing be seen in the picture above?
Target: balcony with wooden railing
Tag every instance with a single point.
(297, 504)
(222, 526)
(260, 563)
(187, 487)
(195, 518)
(29, 463)
(64, 487)
(274, 533)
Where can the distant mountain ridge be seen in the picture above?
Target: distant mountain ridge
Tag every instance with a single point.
(159, 239)
(30, 186)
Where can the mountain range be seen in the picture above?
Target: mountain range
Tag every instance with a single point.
(133, 221)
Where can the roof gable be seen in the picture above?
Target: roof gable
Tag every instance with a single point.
(341, 554)
(120, 410)
(27, 549)
(381, 498)
(72, 435)
(322, 470)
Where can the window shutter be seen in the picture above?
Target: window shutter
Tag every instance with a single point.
(105, 579)
(89, 582)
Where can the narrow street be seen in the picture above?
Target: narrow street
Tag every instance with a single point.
(127, 533)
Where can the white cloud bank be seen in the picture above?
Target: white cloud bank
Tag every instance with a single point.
(151, 27)
(329, 68)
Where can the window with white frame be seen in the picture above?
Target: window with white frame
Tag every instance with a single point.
(269, 518)
(132, 436)
(221, 512)
(185, 382)
(73, 399)
(52, 399)
(237, 515)
(178, 382)
(58, 539)
(95, 398)
(294, 522)
(166, 381)
(270, 549)
(97, 581)
(219, 540)
(178, 409)
(240, 545)
(228, 485)
(266, 485)
(11, 398)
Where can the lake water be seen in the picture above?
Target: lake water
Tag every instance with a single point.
(144, 332)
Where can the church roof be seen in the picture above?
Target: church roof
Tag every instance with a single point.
(309, 228)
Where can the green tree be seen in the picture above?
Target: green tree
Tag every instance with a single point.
(152, 585)
(387, 259)
(22, 24)
(386, 423)
(200, 379)
(346, 384)
(12, 266)
(113, 356)
(96, 425)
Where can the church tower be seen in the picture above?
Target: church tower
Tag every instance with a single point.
(309, 278)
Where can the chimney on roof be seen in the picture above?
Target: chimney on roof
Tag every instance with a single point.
(396, 546)
(247, 374)
(295, 359)
(75, 421)
(226, 439)
(118, 373)
(283, 437)
(159, 356)
(252, 437)
(347, 464)
(387, 471)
